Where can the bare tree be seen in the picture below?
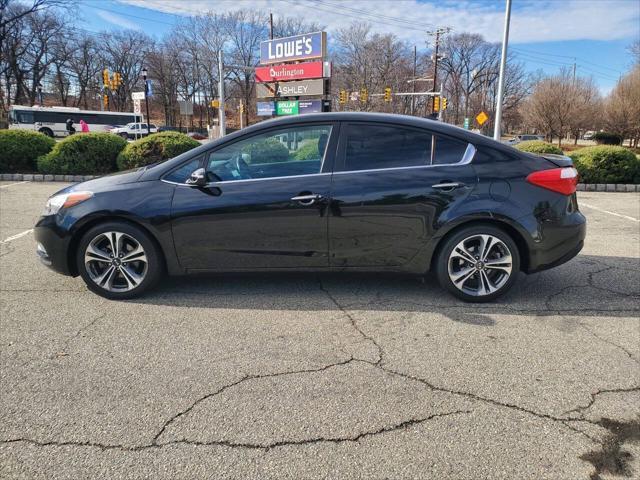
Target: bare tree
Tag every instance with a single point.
(622, 112)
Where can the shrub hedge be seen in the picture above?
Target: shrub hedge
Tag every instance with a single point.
(269, 150)
(538, 146)
(607, 138)
(606, 164)
(19, 150)
(157, 147)
(309, 151)
(83, 154)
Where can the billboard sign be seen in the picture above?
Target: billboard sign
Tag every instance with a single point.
(290, 89)
(298, 47)
(309, 106)
(287, 108)
(297, 71)
(266, 109)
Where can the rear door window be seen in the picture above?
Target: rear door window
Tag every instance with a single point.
(448, 151)
(372, 147)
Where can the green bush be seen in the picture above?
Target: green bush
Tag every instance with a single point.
(157, 147)
(269, 150)
(83, 154)
(607, 138)
(309, 151)
(606, 164)
(19, 150)
(538, 146)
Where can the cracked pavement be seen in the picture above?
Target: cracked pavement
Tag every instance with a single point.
(323, 376)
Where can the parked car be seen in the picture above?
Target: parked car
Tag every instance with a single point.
(588, 135)
(133, 130)
(331, 191)
(524, 138)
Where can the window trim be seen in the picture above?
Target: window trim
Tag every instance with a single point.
(466, 158)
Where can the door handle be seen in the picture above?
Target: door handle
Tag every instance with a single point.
(447, 185)
(308, 199)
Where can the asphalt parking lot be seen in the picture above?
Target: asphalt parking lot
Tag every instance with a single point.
(323, 376)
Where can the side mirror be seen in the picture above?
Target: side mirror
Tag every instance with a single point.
(197, 178)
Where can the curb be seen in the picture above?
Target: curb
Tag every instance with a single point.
(608, 187)
(28, 177)
(33, 177)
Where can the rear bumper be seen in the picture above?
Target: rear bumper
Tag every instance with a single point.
(558, 242)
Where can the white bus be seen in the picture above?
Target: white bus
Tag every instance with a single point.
(52, 120)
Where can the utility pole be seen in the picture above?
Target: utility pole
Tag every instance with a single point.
(415, 65)
(438, 32)
(271, 26)
(221, 119)
(503, 65)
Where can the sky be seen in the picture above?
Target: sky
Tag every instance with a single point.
(544, 34)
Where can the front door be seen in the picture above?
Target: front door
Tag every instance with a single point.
(265, 205)
(391, 187)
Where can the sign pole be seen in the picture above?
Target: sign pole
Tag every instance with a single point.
(503, 63)
(221, 119)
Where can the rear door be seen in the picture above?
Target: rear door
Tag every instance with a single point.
(391, 188)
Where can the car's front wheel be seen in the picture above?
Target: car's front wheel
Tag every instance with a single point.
(478, 263)
(118, 260)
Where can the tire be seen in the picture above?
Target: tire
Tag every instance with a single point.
(124, 135)
(47, 132)
(478, 282)
(108, 273)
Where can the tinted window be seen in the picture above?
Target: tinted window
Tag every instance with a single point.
(448, 150)
(182, 173)
(379, 146)
(25, 117)
(279, 153)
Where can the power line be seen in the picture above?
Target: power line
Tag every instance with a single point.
(573, 57)
(402, 21)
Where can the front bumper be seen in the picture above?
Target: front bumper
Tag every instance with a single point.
(52, 244)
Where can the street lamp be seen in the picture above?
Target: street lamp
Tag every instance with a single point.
(146, 97)
(39, 87)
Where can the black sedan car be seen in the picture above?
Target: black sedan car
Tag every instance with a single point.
(323, 192)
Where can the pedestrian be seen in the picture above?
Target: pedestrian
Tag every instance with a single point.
(84, 126)
(70, 129)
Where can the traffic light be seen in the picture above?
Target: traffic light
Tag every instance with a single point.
(105, 77)
(112, 84)
(117, 80)
(342, 98)
(241, 108)
(105, 100)
(387, 94)
(364, 95)
(444, 103)
(215, 103)
(436, 104)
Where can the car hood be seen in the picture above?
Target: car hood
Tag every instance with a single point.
(106, 182)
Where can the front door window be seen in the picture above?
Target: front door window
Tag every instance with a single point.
(284, 152)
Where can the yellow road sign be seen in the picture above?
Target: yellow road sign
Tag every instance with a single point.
(481, 118)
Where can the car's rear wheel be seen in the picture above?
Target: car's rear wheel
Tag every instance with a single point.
(118, 260)
(478, 263)
(124, 135)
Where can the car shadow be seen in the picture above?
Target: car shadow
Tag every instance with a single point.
(587, 286)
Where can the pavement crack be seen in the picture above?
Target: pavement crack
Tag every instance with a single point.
(354, 323)
(254, 446)
(355, 438)
(594, 395)
(81, 330)
(245, 378)
(609, 342)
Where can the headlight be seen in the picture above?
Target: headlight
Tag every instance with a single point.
(65, 200)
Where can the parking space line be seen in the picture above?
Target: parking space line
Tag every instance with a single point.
(12, 184)
(16, 236)
(582, 204)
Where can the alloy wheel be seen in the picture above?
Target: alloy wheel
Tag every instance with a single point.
(480, 265)
(115, 261)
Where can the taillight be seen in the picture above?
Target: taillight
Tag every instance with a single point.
(561, 180)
